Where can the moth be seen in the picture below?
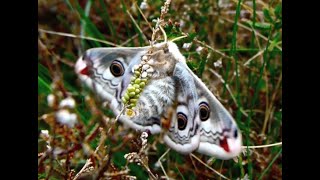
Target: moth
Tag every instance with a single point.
(197, 120)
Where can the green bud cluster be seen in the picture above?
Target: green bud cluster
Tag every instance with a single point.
(137, 83)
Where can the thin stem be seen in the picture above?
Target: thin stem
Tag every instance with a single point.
(76, 36)
(263, 146)
(208, 166)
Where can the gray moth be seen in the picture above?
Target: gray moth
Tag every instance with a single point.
(197, 120)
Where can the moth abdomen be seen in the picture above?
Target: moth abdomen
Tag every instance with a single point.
(156, 97)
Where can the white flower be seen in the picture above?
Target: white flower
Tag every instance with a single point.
(65, 117)
(199, 49)
(131, 157)
(50, 100)
(235, 73)
(182, 23)
(144, 5)
(218, 63)
(144, 138)
(57, 151)
(245, 177)
(67, 102)
(157, 165)
(45, 133)
(186, 45)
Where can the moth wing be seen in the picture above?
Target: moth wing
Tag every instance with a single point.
(183, 133)
(219, 134)
(107, 72)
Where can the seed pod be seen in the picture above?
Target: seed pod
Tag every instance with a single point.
(150, 70)
(136, 86)
(144, 80)
(133, 104)
(131, 89)
(126, 96)
(135, 67)
(132, 94)
(145, 67)
(144, 58)
(137, 91)
(142, 84)
(137, 81)
(137, 73)
(144, 74)
(133, 100)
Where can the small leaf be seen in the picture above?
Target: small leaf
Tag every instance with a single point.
(267, 15)
(258, 25)
(277, 36)
(262, 86)
(201, 66)
(278, 11)
(43, 86)
(192, 65)
(278, 25)
(262, 26)
(271, 46)
(190, 37)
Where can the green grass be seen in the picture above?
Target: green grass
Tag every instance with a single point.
(240, 31)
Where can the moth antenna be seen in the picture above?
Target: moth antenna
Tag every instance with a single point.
(159, 161)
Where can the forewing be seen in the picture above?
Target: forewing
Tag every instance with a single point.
(107, 71)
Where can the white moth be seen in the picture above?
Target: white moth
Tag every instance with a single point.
(198, 121)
